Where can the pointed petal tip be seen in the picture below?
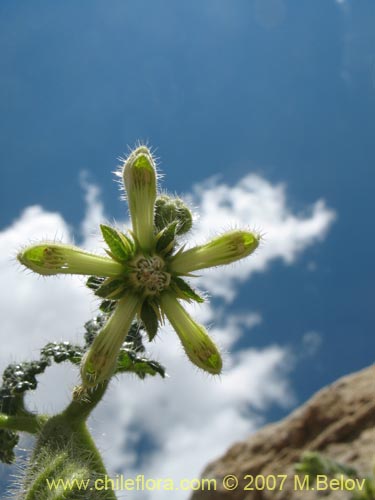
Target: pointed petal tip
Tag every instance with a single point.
(213, 364)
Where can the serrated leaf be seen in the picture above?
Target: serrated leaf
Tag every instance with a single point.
(63, 351)
(21, 377)
(149, 319)
(11, 403)
(107, 306)
(17, 379)
(134, 339)
(165, 240)
(121, 248)
(184, 291)
(128, 361)
(112, 288)
(93, 326)
(94, 282)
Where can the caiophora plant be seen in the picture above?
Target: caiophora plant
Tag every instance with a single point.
(142, 281)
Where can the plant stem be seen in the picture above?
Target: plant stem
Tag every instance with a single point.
(30, 423)
(66, 441)
(81, 407)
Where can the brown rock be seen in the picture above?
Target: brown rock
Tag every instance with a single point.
(338, 421)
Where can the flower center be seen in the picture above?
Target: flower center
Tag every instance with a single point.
(149, 275)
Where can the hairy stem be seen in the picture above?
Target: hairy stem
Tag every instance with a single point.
(23, 423)
(81, 406)
(64, 458)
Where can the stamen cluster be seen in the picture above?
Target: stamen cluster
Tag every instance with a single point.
(149, 275)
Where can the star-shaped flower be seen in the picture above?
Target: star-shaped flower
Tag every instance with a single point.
(144, 273)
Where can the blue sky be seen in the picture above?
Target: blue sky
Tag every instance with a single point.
(283, 90)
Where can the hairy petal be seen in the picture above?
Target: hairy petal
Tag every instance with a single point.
(53, 258)
(197, 344)
(222, 250)
(139, 176)
(99, 363)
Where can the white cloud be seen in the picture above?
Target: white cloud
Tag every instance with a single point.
(259, 205)
(190, 417)
(37, 308)
(94, 215)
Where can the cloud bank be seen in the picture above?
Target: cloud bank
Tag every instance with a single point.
(173, 427)
(261, 206)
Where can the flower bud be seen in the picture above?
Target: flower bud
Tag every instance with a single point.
(198, 346)
(140, 183)
(53, 258)
(169, 210)
(222, 250)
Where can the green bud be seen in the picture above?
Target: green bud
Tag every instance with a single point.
(222, 250)
(198, 346)
(169, 210)
(139, 176)
(53, 258)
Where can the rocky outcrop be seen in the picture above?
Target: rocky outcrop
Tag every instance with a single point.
(338, 421)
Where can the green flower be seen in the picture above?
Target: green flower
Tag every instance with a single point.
(144, 272)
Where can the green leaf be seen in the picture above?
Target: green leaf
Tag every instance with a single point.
(313, 463)
(107, 306)
(94, 282)
(184, 290)
(17, 379)
(150, 320)
(8, 440)
(10, 403)
(121, 247)
(112, 288)
(165, 240)
(63, 351)
(21, 377)
(92, 327)
(134, 339)
(128, 361)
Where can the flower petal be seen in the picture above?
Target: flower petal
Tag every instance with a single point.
(53, 258)
(222, 250)
(139, 176)
(197, 344)
(99, 363)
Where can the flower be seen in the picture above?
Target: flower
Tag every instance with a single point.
(144, 273)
